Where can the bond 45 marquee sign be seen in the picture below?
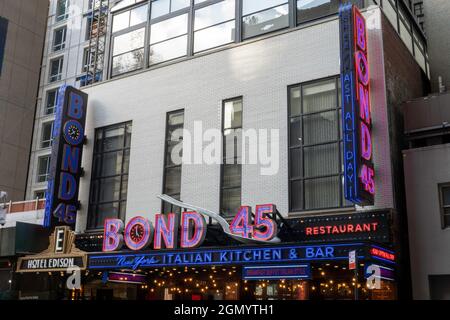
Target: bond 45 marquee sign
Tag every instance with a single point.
(356, 119)
(65, 165)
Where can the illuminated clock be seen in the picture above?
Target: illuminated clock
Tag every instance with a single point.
(73, 132)
(137, 233)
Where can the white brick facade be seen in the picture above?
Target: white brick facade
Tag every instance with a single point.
(260, 71)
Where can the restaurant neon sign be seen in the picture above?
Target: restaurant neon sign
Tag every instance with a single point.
(359, 170)
(191, 226)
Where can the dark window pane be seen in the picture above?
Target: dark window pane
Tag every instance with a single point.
(447, 221)
(105, 211)
(173, 180)
(313, 9)
(51, 101)
(232, 176)
(128, 136)
(176, 159)
(109, 189)
(124, 190)
(123, 210)
(321, 160)
(231, 201)
(126, 161)
(113, 138)
(296, 163)
(296, 132)
(297, 195)
(266, 21)
(319, 128)
(319, 96)
(232, 151)
(446, 196)
(112, 164)
(295, 102)
(322, 193)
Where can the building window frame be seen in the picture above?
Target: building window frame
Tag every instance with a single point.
(46, 142)
(124, 31)
(62, 45)
(222, 166)
(167, 140)
(49, 110)
(62, 16)
(93, 222)
(444, 208)
(302, 179)
(42, 177)
(58, 76)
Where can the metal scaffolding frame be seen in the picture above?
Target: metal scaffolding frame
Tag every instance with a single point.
(97, 42)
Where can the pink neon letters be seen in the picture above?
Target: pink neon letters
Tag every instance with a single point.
(367, 173)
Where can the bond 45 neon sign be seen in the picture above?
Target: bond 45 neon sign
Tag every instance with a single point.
(359, 171)
(61, 203)
(190, 227)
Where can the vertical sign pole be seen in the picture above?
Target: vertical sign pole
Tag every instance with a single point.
(356, 278)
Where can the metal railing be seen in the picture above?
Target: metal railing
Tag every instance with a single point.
(24, 206)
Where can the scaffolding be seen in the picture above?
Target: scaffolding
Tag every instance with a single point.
(97, 42)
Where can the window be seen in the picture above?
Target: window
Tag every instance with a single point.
(109, 183)
(128, 52)
(260, 17)
(445, 205)
(315, 148)
(62, 10)
(130, 18)
(172, 168)
(418, 9)
(43, 168)
(168, 39)
(128, 40)
(39, 194)
(88, 60)
(46, 137)
(3, 32)
(56, 67)
(163, 7)
(51, 100)
(59, 39)
(123, 4)
(214, 25)
(230, 187)
(312, 9)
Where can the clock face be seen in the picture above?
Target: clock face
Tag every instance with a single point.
(137, 232)
(73, 132)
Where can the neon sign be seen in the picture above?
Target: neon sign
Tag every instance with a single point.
(223, 256)
(270, 272)
(139, 233)
(65, 165)
(382, 254)
(359, 170)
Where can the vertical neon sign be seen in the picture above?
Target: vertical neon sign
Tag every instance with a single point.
(359, 170)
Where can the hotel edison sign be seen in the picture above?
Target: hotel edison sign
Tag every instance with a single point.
(60, 255)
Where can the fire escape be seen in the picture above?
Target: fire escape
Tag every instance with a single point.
(97, 43)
